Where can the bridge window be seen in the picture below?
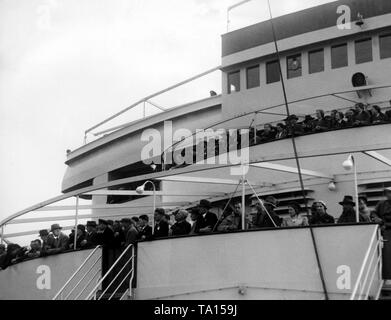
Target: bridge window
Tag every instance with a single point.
(294, 66)
(339, 56)
(364, 51)
(385, 46)
(234, 82)
(272, 72)
(253, 77)
(316, 61)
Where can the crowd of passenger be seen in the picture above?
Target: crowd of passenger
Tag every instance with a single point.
(360, 115)
(117, 235)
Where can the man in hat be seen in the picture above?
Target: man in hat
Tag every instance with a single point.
(209, 218)
(57, 241)
(320, 123)
(145, 230)
(293, 127)
(80, 237)
(130, 231)
(383, 214)
(268, 133)
(161, 224)
(231, 220)
(91, 239)
(105, 234)
(362, 116)
(266, 217)
(348, 214)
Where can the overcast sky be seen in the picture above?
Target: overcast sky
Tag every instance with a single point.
(67, 64)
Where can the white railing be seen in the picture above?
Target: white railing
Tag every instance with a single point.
(370, 276)
(122, 262)
(92, 264)
(144, 102)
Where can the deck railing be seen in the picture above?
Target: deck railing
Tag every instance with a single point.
(86, 275)
(121, 278)
(370, 276)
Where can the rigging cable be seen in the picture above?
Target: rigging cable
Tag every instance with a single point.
(295, 149)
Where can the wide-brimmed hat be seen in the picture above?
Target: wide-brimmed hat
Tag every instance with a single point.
(91, 224)
(126, 220)
(103, 221)
(204, 204)
(55, 226)
(347, 200)
(81, 227)
(43, 233)
(271, 200)
(292, 117)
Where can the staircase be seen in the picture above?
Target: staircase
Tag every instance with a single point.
(87, 283)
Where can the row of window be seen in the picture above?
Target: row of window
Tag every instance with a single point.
(339, 59)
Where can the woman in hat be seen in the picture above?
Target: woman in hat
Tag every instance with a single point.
(294, 219)
(319, 214)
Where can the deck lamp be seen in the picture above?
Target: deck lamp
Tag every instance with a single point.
(348, 165)
(140, 190)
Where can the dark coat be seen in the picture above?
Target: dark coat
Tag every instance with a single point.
(57, 245)
(383, 212)
(106, 238)
(79, 240)
(181, 228)
(161, 229)
(209, 220)
(146, 233)
(349, 216)
(92, 240)
(131, 236)
(262, 219)
(324, 219)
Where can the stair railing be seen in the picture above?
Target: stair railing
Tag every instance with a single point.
(63, 293)
(130, 260)
(373, 265)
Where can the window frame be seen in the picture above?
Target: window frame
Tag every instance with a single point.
(380, 46)
(267, 73)
(300, 55)
(355, 49)
(229, 83)
(259, 76)
(347, 55)
(309, 60)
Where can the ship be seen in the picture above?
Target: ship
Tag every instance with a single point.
(327, 58)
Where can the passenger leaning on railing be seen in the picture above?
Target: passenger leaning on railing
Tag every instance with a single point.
(57, 241)
(145, 230)
(294, 219)
(265, 216)
(319, 214)
(80, 237)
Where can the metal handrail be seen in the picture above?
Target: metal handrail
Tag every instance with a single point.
(123, 280)
(146, 99)
(368, 263)
(366, 257)
(82, 279)
(76, 272)
(116, 276)
(108, 272)
(88, 283)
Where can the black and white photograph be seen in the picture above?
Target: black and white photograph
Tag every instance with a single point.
(195, 155)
